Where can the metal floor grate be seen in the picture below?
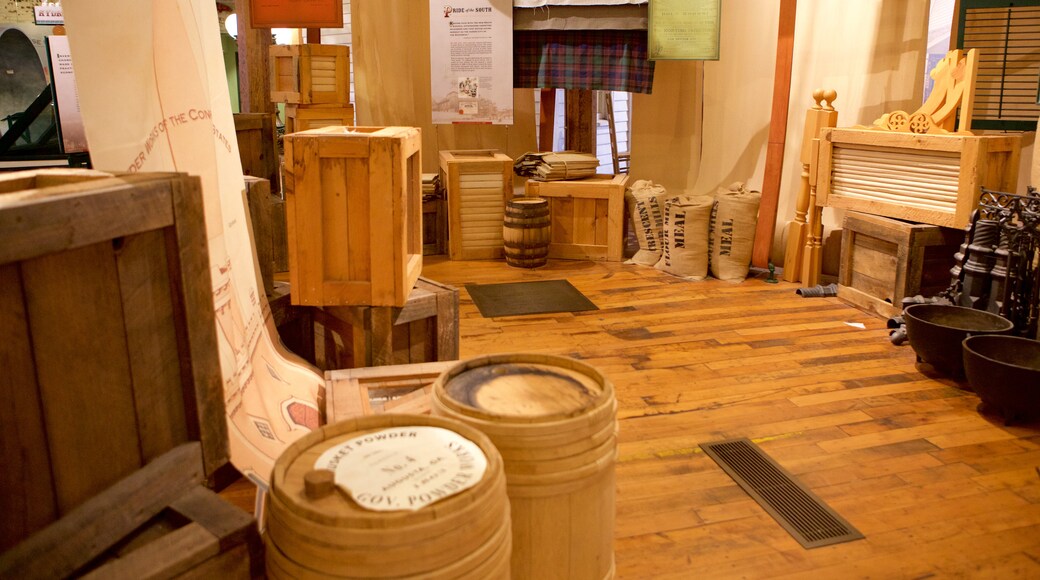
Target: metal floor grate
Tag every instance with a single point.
(791, 504)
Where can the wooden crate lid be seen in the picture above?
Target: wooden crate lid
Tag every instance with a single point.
(357, 133)
(953, 142)
(473, 156)
(305, 50)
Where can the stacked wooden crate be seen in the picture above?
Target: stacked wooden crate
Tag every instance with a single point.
(479, 183)
(313, 80)
(111, 404)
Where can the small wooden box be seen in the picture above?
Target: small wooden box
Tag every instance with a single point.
(932, 179)
(267, 217)
(306, 117)
(111, 399)
(435, 227)
(885, 260)
(310, 74)
(354, 212)
(425, 329)
(258, 147)
(388, 389)
(587, 216)
(479, 183)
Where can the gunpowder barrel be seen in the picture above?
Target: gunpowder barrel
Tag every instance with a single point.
(553, 419)
(525, 232)
(389, 496)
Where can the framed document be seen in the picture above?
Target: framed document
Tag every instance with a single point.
(684, 29)
(296, 13)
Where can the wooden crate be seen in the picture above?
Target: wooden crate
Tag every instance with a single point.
(159, 522)
(267, 217)
(354, 213)
(306, 117)
(932, 179)
(310, 74)
(479, 183)
(435, 227)
(884, 260)
(587, 216)
(425, 329)
(258, 146)
(110, 356)
(388, 389)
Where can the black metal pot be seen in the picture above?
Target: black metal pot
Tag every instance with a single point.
(936, 331)
(1005, 372)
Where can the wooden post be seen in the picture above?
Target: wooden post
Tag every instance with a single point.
(580, 133)
(820, 115)
(777, 136)
(811, 257)
(313, 36)
(254, 82)
(546, 119)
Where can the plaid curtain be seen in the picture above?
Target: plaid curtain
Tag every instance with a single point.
(602, 60)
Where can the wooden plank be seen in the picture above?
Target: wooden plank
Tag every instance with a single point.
(579, 130)
(254, 83)
(224, 521)
(27, 502)
(151, 341)
(84, 376)
(546, 119)
(90, 529)
(168, 556)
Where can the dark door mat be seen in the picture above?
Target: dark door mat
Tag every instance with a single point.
(804, 516)
(517, 298)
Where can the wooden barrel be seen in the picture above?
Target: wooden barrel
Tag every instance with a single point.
(553, 419)
(525, 232)
(315, 530)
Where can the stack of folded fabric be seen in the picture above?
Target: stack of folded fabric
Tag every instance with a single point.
(431, 186)
(552, 166)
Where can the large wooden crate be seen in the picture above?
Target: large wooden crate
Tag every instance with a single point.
(310, 74)
(932, 179)
(425, 329)
(258, 146)
(586, 216)
(354, 213)
(306, 117)
(479, 183)
(267, 217)
(885, 260)
(110, 365)
(387, 389)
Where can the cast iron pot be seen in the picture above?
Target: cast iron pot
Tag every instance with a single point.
(1005, 372)
(935, 332)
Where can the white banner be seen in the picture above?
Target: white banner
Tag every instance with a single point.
(154, 97)
(471, 61)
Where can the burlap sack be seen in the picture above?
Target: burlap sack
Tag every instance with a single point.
(733, 231)
(685, 233)
(644, 205)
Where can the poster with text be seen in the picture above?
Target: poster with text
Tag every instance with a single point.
(684, 29)
(471, 61)
(66, 99)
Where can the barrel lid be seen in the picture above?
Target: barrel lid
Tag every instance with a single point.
(523, 389)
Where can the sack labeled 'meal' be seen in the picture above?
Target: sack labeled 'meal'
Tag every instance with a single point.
(733, 231)
(685, 233)
(644, 205)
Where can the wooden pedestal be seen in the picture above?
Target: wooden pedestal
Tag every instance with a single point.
(479, 183)
(354, 214)
(310, 74)
(258, 147)
(587, 216)
(885, 260)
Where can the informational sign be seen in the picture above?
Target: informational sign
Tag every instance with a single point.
(154, 97)
(296, 13)
(684, 29)
(48, 15)
(471, 61)
(404, 468)
(66, 99)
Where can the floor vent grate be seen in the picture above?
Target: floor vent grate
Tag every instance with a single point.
(791, 504)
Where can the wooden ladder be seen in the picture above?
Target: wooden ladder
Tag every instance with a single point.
(621, 159)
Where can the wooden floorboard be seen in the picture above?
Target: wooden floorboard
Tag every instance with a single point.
(938, 489)
(900, 452)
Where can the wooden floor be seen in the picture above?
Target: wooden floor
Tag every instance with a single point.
(937, 489)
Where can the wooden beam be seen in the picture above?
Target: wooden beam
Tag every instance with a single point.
(254, 81)
(313, 36)
(777, 136)
(580, 132)
(546, 119)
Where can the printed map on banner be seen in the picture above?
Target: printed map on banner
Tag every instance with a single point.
(154, 97)
(471, 61)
